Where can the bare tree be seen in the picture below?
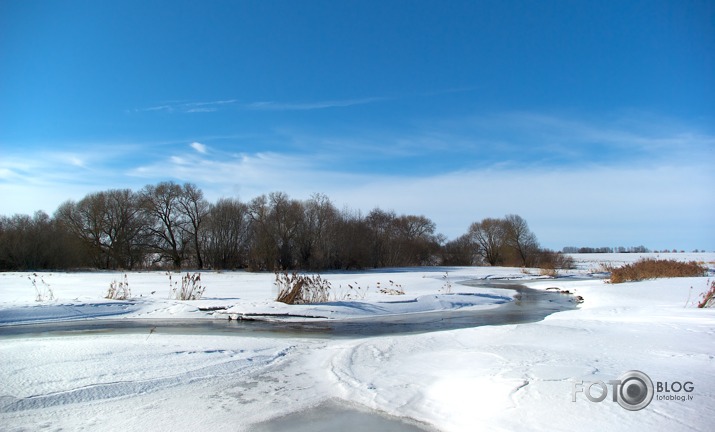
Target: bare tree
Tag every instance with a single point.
(404, 240)
(166, 222)
(285, 218)
(521, 240)
(85, 220)
(316, 232)
(195, 208)
(110, 224)
(33, 243)
(275, 222)
(489, 238)
(262, 253)
(459, 252)
(382, 231)
(226, 234)
(416, 235)
(352, 244)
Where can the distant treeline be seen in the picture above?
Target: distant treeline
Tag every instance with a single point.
(619, 249)
(173, 226)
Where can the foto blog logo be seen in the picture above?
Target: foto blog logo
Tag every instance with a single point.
(633, 391)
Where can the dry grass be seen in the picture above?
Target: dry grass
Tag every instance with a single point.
(655, 268)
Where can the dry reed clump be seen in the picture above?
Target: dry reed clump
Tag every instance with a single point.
(301, 289)
(190, 289)
(393, 289)
(651, 268)
(119, 290)
(44, 291)
(708, 298)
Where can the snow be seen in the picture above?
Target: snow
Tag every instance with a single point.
(505, 377)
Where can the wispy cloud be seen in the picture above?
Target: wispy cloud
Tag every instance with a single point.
(261, 171)
(340, 103)
(201, 148)
(532, 138)
(315, 105)
(513, 139)
(213, 106)
(189, 107)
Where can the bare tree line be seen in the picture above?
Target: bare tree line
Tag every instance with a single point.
(173, 226)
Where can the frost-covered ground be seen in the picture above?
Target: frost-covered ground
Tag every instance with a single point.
(508, 377)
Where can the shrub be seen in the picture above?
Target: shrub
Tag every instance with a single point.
(301, 289)
(651, 268)
(548, 271)
(708, 298)
(190, 289)
(550, 262)
(119, 290)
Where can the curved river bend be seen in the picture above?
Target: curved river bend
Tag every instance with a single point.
(529, 306)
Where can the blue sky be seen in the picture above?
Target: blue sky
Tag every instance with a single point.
(594, 120)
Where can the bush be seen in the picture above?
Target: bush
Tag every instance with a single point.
(301, 289)
(651, 268)
(549, 262)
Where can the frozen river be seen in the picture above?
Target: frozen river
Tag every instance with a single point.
(529, 305)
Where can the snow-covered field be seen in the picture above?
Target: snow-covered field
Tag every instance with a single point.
(507, 377)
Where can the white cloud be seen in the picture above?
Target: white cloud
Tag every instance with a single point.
(201, 148)
(177, 160)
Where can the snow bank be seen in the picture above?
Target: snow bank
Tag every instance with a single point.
(80, 295)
